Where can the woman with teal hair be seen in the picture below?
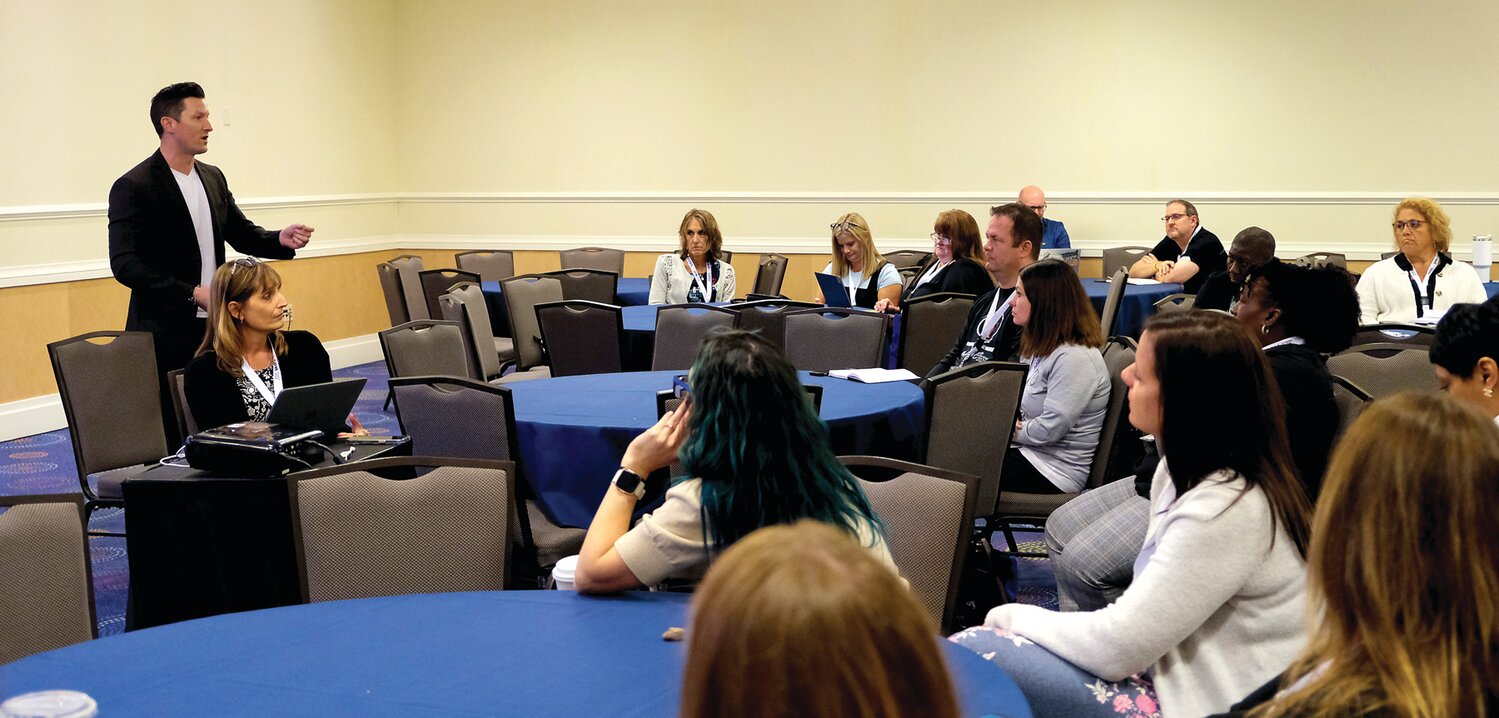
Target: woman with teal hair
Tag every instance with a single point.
(756, 455)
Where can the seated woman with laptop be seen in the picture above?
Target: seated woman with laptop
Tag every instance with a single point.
(862, 272)
(247, 357)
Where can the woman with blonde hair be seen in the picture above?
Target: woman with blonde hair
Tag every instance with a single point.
(1403, 571)
(1422, 279)
(801, 620)
(248, 356)
(957, 263)
(862, 270)
(697, 272)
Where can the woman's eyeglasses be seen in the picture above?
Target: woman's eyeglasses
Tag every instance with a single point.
(1413, 224)
(844, 225)
(245, 262)
(941, 240)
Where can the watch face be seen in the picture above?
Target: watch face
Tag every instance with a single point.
(627, 480)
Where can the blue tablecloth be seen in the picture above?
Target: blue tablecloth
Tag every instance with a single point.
(539, 653)
(1492, 288)
(629, 292)
(573, 430)
(1135, 307)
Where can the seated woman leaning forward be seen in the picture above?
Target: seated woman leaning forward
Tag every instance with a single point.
(957, 263)
(755, 454)
(862, 270)
(247, 356)
(758, 647)
(1216, 605)
(697, 272)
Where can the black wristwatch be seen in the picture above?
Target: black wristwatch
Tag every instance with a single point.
(629, 482)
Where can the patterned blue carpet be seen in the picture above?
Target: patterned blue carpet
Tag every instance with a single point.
(44, 464)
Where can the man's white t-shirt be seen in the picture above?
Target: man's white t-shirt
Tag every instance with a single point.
(197, 207)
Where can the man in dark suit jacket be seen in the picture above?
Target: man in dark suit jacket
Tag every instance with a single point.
(1251, 249)
(169, 218)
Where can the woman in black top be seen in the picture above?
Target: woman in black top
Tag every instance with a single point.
(247, 357)
(957, 264)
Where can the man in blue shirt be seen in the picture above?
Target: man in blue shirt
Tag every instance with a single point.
(1053, 235)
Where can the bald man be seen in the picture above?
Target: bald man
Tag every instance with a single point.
(1053, 235)
(1251, 249)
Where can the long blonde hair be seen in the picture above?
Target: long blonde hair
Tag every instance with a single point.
(236, 281)
(1403, 572)
(854, 225)
(802, 620)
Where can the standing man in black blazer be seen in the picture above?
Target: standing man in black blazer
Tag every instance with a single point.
(169, 218)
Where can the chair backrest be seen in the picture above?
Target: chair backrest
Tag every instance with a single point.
(1118, 353)
(1116, 258)
(427, 347)
(464, 303)
(726, 256)
(408, 268)
(1351, 400)
(928, 514)
(437, 282)
(772, 272)
(680, 330)
(1323, 259)
(491, 265)
(767, 316)
(971, 414)
(928, 327)
(1175, 302)
(522, 294)
(1387, 255)
(46, 599)
(830, 338)
(592, 285)
(1411, 334)
(186, 424)
(111, 398)
(1386, 369)
(452, 416)
(359, 535)
(394, 293)
(609, 260)
(907, 258)
(1117, 284)
(582, 337)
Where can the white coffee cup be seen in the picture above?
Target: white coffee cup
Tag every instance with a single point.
(563, 572)
(50, 704)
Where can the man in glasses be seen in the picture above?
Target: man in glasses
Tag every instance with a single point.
(1252, 248)
(169, 218)
(1186, 255)
(1053, 233)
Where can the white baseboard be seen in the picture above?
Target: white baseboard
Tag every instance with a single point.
(40, 414)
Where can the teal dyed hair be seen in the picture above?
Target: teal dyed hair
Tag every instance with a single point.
(760, 450)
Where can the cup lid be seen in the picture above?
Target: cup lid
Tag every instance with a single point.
(50, 704)
(566, 567)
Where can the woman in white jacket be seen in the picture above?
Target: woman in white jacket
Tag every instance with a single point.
(697, 273)
(1421, 280)
(1216, 604)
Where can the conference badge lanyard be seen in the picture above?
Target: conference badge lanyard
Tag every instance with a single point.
(989, 329)
(705, 289)
(269, 394)
(1428, 299)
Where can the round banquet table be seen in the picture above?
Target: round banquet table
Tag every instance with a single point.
(628, 292)
(1137, 304)
(573, 430)
(540, 653)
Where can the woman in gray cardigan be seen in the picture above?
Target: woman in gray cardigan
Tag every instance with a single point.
(1067, 388)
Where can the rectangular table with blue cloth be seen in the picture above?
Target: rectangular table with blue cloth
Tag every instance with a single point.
(628, 292)
(533, 653)
(1137, 304)
(573, 430)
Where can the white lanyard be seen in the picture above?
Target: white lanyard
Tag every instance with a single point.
(931, 272)
(1285, 342)
(698, 281)
(267, 394)
(995, 310)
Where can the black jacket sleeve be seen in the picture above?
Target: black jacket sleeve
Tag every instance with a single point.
(213, 394)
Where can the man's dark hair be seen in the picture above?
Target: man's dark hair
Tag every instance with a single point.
(1027, 225)
(1256, 240)
(169, 101)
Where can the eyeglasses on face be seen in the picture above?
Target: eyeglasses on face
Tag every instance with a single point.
(941, 240)
(1414, 224)
(1037, 207)
(1173, 217)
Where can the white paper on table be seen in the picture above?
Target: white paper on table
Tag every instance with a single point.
(1135, 280)
(873, 375)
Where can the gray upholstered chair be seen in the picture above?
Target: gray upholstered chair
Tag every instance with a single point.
(464, 303)
(1323, 259)
(1350, 400)
(392, 291)
(1386, 368)
(928, 515)
(929, 326)
(46, 599)
(1117, 284)
(1116, 258)
(111, 398)
(1175, 303)
(830, 338)
(491, 265)
(1387, 255)
(1392, 333)
(407, 269)
(609, 260)
(582, 337)
(359, 535)
(908, 258)
(186, 424)
(447, 416)
(427, 347)
(437, 282)
(767, 316)
(592, 285)
(771, 274)
(680, 329)
(522, 294)
(971, 414)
